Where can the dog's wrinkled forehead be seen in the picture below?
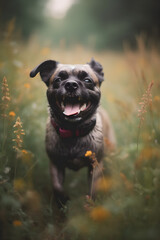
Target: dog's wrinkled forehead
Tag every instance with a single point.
(75, 71)
(51, 68)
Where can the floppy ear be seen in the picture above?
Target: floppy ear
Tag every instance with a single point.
(97, 67)
(46, 69)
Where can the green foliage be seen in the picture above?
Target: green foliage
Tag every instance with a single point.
(28, 15)
(108, 24)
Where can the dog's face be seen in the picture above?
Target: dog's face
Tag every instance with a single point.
(73, 90)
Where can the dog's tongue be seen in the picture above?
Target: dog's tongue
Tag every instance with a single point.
(70, 109)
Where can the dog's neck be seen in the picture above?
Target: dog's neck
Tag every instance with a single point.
(81, 131)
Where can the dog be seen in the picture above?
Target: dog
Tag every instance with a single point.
(76, 123)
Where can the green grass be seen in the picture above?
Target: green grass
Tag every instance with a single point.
(127, 205)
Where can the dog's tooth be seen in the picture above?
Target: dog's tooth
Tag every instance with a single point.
(83, 107)
(79, 98)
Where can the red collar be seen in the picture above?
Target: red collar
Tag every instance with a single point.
(67, 133)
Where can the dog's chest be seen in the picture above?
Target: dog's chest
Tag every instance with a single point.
(71, 152)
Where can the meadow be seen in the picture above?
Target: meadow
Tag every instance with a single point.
(127, 205)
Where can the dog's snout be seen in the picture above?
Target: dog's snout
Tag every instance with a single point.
(71, 85)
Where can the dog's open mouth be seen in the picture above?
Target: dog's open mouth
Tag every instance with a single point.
(72, 108)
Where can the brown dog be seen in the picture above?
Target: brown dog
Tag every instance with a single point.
(76, 123)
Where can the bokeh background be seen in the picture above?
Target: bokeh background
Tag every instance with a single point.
(95, 24)
(124, 37)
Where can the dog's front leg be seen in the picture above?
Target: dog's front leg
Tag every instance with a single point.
(57, 176)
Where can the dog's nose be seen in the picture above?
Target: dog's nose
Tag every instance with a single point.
(71, 85)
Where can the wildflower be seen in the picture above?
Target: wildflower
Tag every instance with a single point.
(92, 157)
(12, 114)
(18, 132)
(146, 101)
(26, 156)
(95, 164)
(88, 154)
(99, 214)
(19, 184)
(24, 151)
(27, 85)
(17, 223)
(5, 97)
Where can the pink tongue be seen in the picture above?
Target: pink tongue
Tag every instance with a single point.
(70, 110)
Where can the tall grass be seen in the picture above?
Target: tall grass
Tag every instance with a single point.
(127, 205)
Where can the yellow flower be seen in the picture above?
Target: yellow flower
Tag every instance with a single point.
(17, 223)
(19, 184)
(100, 214)
(12, 114)
(26, 156)
(92, 157)
(88, 154)
(24, 151)
(27, 85)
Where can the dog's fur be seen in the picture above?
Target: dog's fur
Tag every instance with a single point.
(69, 88)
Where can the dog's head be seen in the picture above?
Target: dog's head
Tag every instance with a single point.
(73, 90)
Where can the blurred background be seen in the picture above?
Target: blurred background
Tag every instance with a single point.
(124, 36)
(96, 24)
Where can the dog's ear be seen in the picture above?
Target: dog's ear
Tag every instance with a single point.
(97, 67)
(46, 69)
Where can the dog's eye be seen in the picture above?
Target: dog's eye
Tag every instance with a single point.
(88, 80)
(57, 80)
